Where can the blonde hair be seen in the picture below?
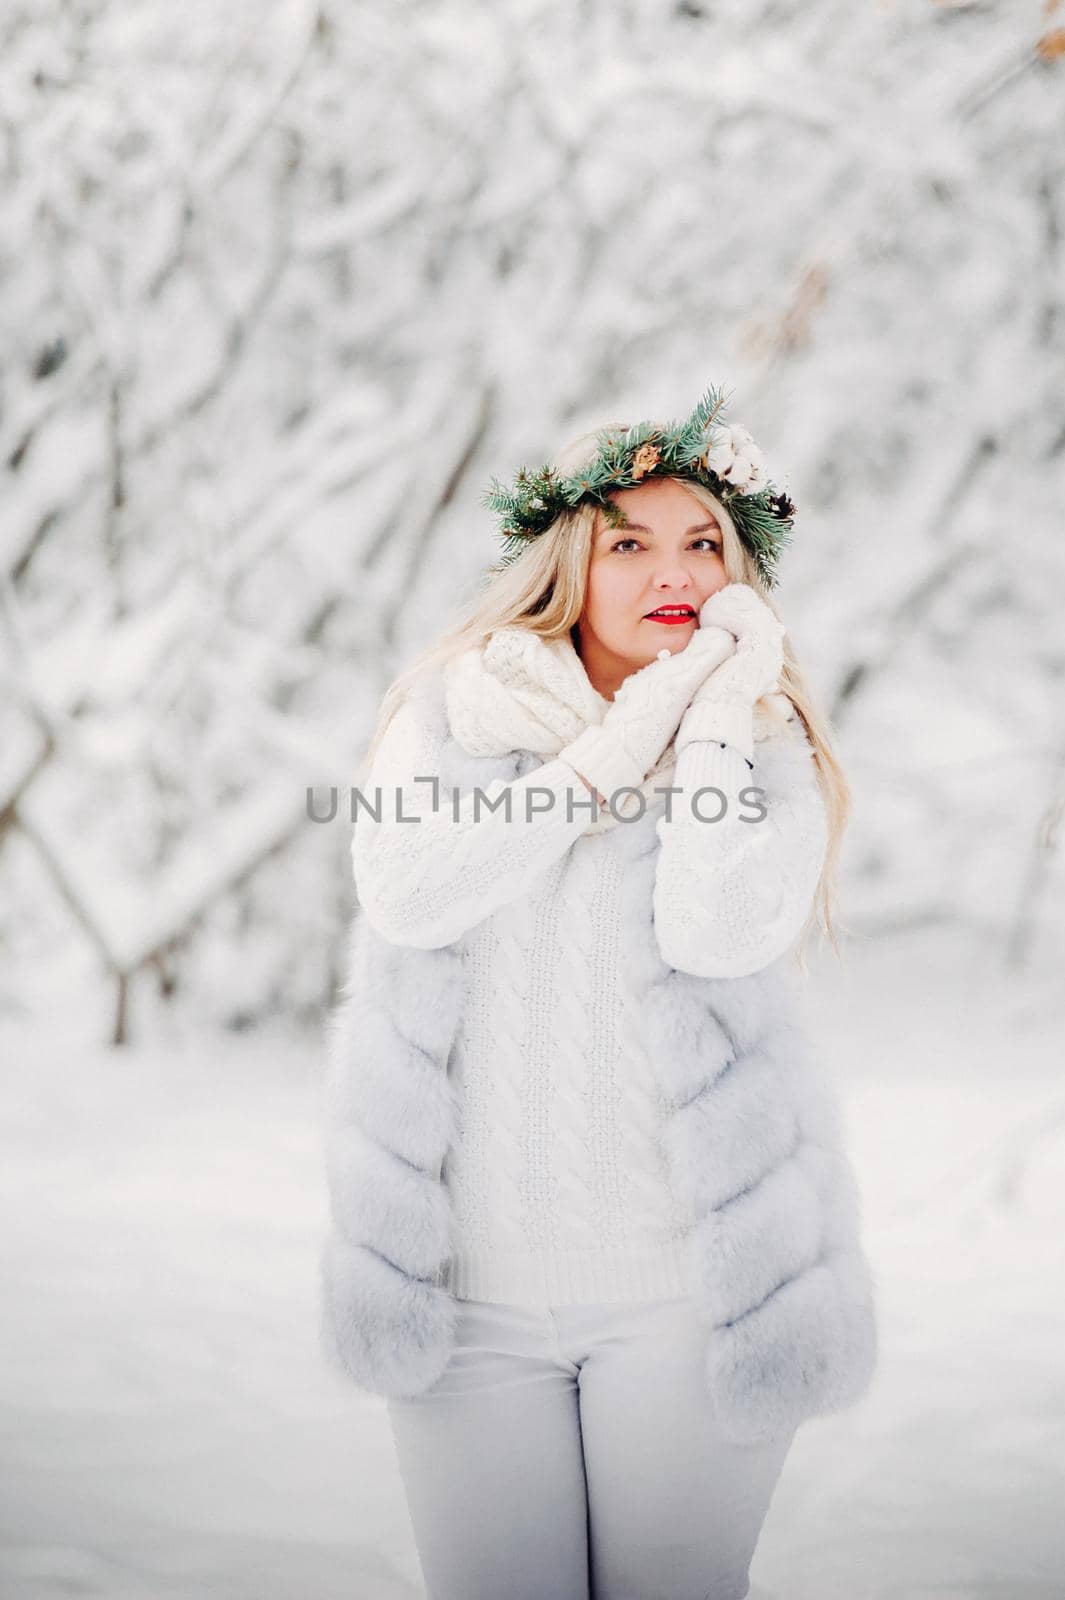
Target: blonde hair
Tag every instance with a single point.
(544, 590)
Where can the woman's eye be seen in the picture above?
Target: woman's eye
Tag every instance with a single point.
(713, 543)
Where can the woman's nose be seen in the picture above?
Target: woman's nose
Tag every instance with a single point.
(673, 577)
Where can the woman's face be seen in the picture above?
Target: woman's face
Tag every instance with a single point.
(670, 555)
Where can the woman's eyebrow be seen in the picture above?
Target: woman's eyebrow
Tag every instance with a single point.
(639, 527)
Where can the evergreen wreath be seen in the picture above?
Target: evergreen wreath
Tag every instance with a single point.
(704, 448)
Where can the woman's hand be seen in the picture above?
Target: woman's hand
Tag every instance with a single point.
(645, 713)
(722, 706)
(646, 710)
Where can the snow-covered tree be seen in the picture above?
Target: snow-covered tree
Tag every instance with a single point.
(282, 286)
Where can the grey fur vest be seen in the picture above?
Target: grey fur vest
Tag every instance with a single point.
(754, 1141)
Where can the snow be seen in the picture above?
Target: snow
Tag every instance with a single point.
(171, 1430)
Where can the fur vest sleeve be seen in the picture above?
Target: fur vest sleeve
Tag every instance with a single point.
(753, 1135)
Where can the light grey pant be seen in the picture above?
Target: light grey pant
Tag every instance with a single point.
(569, 1453)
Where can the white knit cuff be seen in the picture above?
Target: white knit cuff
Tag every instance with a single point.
(722, 767)
(598, 756)
(721, 721)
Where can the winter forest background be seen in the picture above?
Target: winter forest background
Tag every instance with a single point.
(281, 286)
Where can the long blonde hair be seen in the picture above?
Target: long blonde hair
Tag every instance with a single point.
(544, 590)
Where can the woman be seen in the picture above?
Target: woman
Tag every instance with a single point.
(595, 1235)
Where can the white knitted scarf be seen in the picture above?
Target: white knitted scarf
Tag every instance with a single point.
(521, 691)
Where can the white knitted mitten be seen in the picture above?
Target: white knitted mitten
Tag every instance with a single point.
(722, 706)
(644, 714)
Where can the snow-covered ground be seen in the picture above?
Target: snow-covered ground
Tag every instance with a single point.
(170, 1428)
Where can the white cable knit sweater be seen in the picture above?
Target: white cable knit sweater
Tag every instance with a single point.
(558, 1184)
